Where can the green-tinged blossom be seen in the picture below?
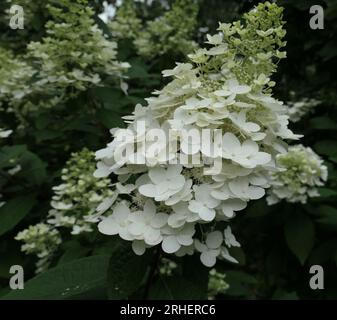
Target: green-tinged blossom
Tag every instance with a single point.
(76, 199)
(41, 240)
(301, 172)
(170, 33)
(73, 56)
(216, 284)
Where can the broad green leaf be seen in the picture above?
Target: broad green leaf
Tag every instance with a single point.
(108, 95)
(46, 134)
(323, 253)
(326, 147)
(9, 153)
(284, 295)
(240, 283)
(137, 70)
(126, 271)
(33, 169)
(14, 211)
(327, 193)
(327, 215)
(176, 288)
(66, 281)
(110, 119)
(323, 123)
(194, 269)
(190, 284)
(300, 235)
(74, 251)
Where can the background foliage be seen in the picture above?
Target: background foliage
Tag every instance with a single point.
(279, 243)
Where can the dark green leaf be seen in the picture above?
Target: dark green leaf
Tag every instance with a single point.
(109, 118)
(323, 123)
(326, 147)
(33, 169)
(126, 271)
(240, 283)
(66, 281)
(176, 287)
(14, 211)
(300, 235)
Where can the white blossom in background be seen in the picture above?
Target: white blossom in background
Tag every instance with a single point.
(301, 171)
(298, 109)
(5, 133)
(108, 13)
(42, 240)
(177, 205)
(216, 284)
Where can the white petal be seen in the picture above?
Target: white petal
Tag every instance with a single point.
(148, 190)
(227, 256)
(207, 214)
(230, 142)
(106, 204)
(108, 226)
(208, 259)
(157, 174)
(152, 236)
(214, 240)
(185, 240)
(256, 193)
(159, 220)
(102, 170)
(170, 244)
(136, 229)
(199, 246)
(138, 247)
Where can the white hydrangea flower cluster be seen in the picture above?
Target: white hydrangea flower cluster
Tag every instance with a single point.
(42, 240)
(15, 74)
(298, 109)
(227, 87)
(76, 199)
(301, 171)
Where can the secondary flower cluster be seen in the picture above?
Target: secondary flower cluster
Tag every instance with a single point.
(298, 109)
(73, 207)
(15, 74)
(41, 240)
(63, 63)
(75, 200)
(216, 284)
(227, 87)
(170, 33)
(301, 171)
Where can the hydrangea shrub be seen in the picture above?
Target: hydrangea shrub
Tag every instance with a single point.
(227, 87)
